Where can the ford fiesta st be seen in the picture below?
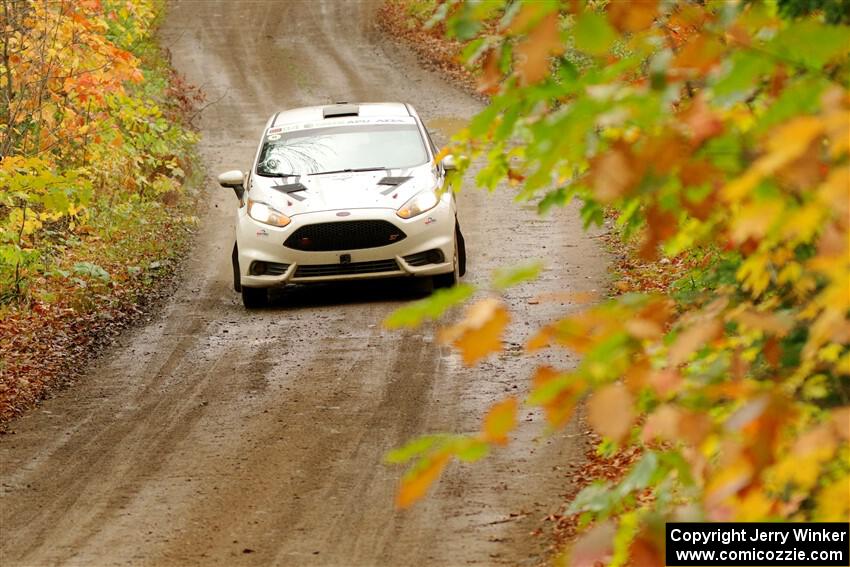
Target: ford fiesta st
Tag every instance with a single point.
(344, 192)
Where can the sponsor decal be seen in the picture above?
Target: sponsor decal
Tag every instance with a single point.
(430, 220)
(262, 232)
(273, 137)
(348, 122)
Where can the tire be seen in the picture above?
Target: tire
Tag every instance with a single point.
(461, 249)
(255, 297)
(450, 279)
(237, 280)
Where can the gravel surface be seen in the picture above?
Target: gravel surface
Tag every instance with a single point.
(216, 436)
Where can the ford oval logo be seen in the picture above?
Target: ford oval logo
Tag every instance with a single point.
(343, 214)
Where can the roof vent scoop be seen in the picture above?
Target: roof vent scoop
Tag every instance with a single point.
(338, 110)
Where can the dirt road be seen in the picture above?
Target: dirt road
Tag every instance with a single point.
(216, 436)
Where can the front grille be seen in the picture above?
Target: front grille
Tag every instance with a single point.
(434, 256)
(372, 267)
(345, 235)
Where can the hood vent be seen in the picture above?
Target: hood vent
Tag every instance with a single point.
(290, 189)
(339, 110)
(393, 183)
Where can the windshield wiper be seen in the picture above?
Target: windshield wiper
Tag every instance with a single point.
(272, 174)
(350, 170)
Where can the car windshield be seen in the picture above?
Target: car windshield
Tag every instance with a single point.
(341, 148)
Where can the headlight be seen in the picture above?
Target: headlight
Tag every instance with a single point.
(418, 204)
(263, 213)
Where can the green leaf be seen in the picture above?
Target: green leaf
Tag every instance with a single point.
(811, 43)
(463, 28)
(471, 450)
(503, 278)
(91, 271)
(598, 497)
(429, 308)
(745, 71)
(593, 34)
(56, 201)
(802, 97)
(416, 448)
(640, 475)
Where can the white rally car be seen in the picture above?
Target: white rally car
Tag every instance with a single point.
(343, 192)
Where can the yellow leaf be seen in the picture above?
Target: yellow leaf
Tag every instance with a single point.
(755, 219)
(480, 331)
(753, 507)
(727, 482)
(415, 483)
(499, 421)
(789, 142)
(833, 502)
(611, 412)
(784, 145)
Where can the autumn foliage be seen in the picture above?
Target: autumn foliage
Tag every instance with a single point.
(94, 156)
(713, 132)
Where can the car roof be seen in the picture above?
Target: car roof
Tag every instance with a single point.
(367, 110)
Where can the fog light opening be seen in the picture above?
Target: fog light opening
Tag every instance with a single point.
(436, 256)
(257, 268)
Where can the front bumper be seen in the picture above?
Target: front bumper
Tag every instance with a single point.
(259, 242)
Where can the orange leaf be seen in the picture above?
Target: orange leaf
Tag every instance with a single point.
(560, 409)
(528, 15)
(632, 15)
(660, 225)
(841, 422)
(488, 82)
(415, 483)
(692, 338)
(763, 321)
(480, 332)
(646, 551)
(702, 122)
(615, 173)
(543, 41)
(594, 547)
(541, 340)
(699, 55)
(611, 412)
(662, 424)
(665, 382)
(499, 421)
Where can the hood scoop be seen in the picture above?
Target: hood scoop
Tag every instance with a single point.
(290, 189)
(393, 183)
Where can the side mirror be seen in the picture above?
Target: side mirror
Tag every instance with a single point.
(448, 163)
(235, 180)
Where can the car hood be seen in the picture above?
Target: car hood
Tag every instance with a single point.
(388, 189)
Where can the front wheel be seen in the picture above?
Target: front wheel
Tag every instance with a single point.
(255, 297)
